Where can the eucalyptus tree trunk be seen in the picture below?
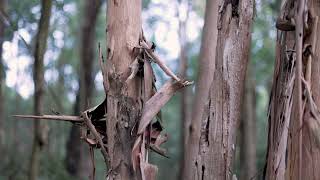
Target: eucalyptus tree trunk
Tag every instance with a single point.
(2, 74)
(212, 132)
(293, 140)
(123, 99)
(248, 130)
(40, 128)
(77, 159)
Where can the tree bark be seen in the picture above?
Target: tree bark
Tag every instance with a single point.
(212, 136)
(77, 160)
(2, 80)
(185, 93)
(248, 131)
(292, 147)
(205, 77)
(124, 100)
(40, 128)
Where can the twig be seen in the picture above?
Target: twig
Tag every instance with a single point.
(157, 60)
(52, 117)
(96, 135)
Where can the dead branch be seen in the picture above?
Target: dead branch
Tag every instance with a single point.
(157, 60)
(96, 135)
(52, 117)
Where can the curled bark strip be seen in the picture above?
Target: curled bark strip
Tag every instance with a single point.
(157, 60)
(134, 67)
(96, 135)
(52, 117)
(156, 102)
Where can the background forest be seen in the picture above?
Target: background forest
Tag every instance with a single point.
(172, 25)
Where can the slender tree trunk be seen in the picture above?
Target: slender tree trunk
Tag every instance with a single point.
(2, 74)
(123, 99)
(185, 93)
(248, 131)
(205, 77)
(292, 144)
(40, 128)
(212, 136)
(77, 159)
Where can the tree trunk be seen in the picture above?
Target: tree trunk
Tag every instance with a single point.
(292, 144)
(185, 112)
(212, 137)
(205, 77)
(2, 80)
(77, 159)
(123, 99)
(248, 131)
(40, 128)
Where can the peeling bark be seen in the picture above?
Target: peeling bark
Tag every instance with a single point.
(40, 127)
(292, 148)
(213, 139)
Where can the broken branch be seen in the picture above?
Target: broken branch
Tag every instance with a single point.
(96, 135)
(52, 117)
(157, 60)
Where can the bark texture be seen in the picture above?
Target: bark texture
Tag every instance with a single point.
(2, 73)
(77, 159)
(40, 127)
(292, 146)
(212, 132)
(248, 130)
(124, 100)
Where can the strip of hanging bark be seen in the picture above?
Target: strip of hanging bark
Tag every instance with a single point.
(157, 60)
(298, 89)
(52, 117)
(156, 102)
(134, 67)
(148, 171)
(285, 25)
(96, 135)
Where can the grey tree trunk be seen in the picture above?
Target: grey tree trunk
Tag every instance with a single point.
(212, 133)
(40, 128)
(77, 159)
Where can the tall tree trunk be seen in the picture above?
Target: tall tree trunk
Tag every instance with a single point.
(123, 99)
(2, 74)
(205, 77)
(185, 93)
(292, 143)
(248, 130)
(40, 128)
(77, 159)
(212, 136)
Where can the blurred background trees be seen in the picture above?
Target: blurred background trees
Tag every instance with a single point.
(75, 29)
